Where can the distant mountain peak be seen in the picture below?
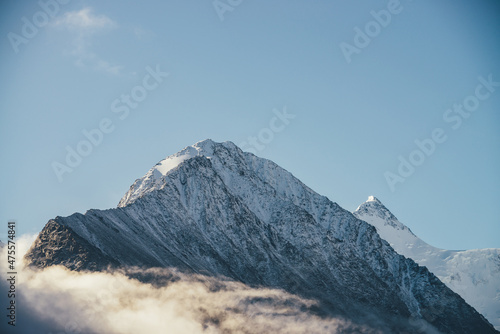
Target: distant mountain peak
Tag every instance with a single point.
(374, 203)
(388, 226)
(373, 207)
(474, 274)
(373, 199)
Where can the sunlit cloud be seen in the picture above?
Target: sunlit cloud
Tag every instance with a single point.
(83, 26)
(57, 300)
(85, 20)
(164, 300)
(114, 303)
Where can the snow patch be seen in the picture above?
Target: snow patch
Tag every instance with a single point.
(473, 274)
(201, 148)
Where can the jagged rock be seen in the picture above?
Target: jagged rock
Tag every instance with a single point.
(215, 210)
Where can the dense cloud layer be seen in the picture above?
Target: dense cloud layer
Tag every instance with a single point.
(59, 301)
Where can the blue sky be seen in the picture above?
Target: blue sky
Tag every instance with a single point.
(231, 69)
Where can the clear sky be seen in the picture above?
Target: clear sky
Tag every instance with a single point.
(363, 81)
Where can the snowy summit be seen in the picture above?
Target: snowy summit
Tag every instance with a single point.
(213, 209)
(473, 274)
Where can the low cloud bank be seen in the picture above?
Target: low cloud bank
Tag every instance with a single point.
(59, 301)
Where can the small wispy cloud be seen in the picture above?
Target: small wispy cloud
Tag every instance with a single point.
(85, 20)
(83, 25)
(142, 34)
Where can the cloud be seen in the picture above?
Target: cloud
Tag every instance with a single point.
(71, 302)
(85, 20)
(59, 301)
(83, 26)
(142, 34)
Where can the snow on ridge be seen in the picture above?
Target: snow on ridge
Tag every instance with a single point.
(371, 200)
(201, 148)
(154, 178)
(234, 167)
(473, 274)
(173, 161)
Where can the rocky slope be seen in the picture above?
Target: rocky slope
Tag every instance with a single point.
(215, 210)
(473, 274)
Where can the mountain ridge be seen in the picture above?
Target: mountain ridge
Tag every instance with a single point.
(221, 211)
(473, 274)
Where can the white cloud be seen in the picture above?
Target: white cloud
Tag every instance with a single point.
(142, 34)
(57, 300)
(79, 302)
(85, 20)
(83, 26)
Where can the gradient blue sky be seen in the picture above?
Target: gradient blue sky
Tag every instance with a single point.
(352, 120)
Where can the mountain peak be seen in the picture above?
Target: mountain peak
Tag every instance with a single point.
(375, 213)
(204, 146)
(473, 274)
(212, 209)
(154, 176)
(373, 199)
(207, 141)
(208, 145)
(373, 203)
(217, 153)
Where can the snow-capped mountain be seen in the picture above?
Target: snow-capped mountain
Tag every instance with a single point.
(473, 274)
(216, 210)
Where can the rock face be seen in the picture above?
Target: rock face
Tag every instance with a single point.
(473, 274)
(215, 210)
(58, 244)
